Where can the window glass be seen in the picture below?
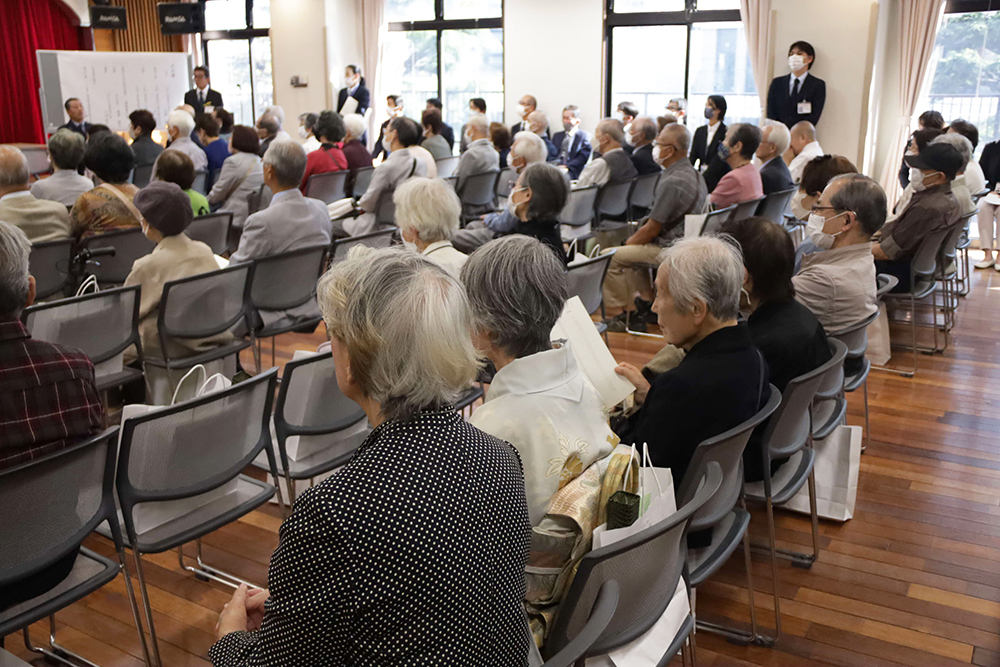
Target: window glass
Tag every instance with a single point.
(409, 10)
(260, 61)
(711, 5)
(472, 66)
(720, 65)
(229, 63)
(261, 14)
(226, 15)
(410, 64)
(648, 88)
(472, 9)
(627, 6)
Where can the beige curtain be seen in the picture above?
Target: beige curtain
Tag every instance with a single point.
(756, 16)
(918, 27)
(373, 29)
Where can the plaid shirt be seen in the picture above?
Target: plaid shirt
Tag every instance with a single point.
(48, 396)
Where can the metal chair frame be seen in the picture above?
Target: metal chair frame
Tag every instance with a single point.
(51, 253)
(218, 246)
(774, 205)
(600, 616)
(327, 187)
(340, 247)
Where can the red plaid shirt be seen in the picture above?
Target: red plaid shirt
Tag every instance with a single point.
(48, 396)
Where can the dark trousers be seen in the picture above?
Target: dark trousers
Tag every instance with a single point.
(38, 583)
(896, 267)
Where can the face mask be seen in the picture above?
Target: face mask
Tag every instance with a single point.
(568, 127)
(408, 244)
(815, 233)
(724, 151)
(470, 113)
(391, 111)
(349, 81)
(709, 113)
(628, 139)
(795, 62)
(521, 109)
(918, 177)
(386, 144)
(799, 211)
(132, 132)
(511, 205)
(303, 132)
(620, 116)
(656, 154)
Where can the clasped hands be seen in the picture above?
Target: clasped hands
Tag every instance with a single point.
(244, 612)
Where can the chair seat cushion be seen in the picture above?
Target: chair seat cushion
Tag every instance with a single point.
(726, 535)
(787, 480)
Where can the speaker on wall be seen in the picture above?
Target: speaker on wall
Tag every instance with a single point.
(181, 18)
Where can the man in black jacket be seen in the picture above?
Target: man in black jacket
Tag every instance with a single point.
(797, 96)
(774, 174)
(74, 109)
(641, 136)
(202, 95)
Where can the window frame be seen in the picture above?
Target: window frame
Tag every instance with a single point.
(688, 17)
(247, 35)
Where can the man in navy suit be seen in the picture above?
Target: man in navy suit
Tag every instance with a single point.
(202, 95)
(74, 109)
(774, 174)
(797, 96)
(642, 133)
(572, 143)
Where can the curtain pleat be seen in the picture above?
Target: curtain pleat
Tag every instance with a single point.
(373, 29)
(756, 16)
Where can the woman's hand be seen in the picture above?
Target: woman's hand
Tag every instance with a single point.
(635, 376)
(255, 607)
(245, 612)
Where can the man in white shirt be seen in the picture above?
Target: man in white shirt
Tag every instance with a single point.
(180, 125)
(614, 163)
(803, 148)
(40, 220)
(65, 184)
(525, 106)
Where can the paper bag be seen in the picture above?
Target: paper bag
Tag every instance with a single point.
(838, 460)
(879, 346)
(693, 225)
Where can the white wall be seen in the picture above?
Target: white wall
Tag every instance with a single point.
(297, 49)
(554, 50)
(343, 43)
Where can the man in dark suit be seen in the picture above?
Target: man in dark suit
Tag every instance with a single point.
(642, 133)
(446, 131)
(202, 95)
(774, 174)
(572, 143)
(525, 106)
(797, 96)
(74, 108)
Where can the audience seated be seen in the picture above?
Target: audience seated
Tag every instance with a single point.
(539, 400)
(573, 143)
(664, 120)
(960, 187)
(307, 125)
(815, 176)
(446, 131)
(989, 222)
(267, 131)
(837, 283)
(500, 138)
(393, 108)
(424, 155)
(278, 113)
(743, 182)
(365, 548)
(354, 149)
(537, 199)
(538, 123)
(788, 335)
(477, 105)
(642, 135)
(803, 147)
(927, 120)
(329, 157)
(680, 192)
(626, 113)
(705, 145)
(918, 141)
(677, 107)
(177, 168)
(429, 213)
(932, 208)
(166, 212)
(614, 164)
(240, 177)
(41, 412)
(774, 174)
(180, 125)
(975, 178)
(433, 141)
(216, 149)
(65, 185)
(108, 207)
(141, 130)
(226, 121)
(401, 135)
(525, 106)
(722, 381)
(480, 155)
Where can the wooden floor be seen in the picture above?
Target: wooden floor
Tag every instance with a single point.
(913, 579)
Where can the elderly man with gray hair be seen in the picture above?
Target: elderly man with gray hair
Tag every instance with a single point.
(480, 156)
(180, 125)
(614, 164)
(538, 123)
(428, 213)
(40, 219)
(774, 174)
(65, 185)
(642, 134)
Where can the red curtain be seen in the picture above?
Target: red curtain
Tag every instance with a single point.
(27, 25)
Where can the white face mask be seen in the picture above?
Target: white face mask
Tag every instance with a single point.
(656, 154)
(815, 233)
(799, 211)
(132, 132)
(349, 81)
(303, 132)
(386, 144)
(521, 109)
(917, 179)
(796, 62)
(511, 206)
(620, 116)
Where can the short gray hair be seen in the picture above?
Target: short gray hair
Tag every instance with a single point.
(430, 207)
(480, 123)
(645, 126)
(355, 124)
(549, 190)
(406, 324)
(679, 136)
(864, 197)
(780, 136)
(517, 289)
(961, 144)
(277, 112)
(289, 161)
(66, 149)
(182, 120)
(538, 117)
(613, 128)
(268, 123)
(708, 269)
(529, 146)
(13, 167)
(14, 285)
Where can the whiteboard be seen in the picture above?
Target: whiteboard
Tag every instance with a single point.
(111, 85)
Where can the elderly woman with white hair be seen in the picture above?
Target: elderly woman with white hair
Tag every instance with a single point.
(376, 567)
(428, 213)
(723, 379)
(539, 400)
(180, 125)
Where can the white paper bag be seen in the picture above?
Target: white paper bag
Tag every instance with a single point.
(879, 346)
(838, 460)
(693, 225)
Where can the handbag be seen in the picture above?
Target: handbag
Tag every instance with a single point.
(879, 345)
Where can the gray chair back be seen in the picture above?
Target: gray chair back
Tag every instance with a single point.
(949, 246)
(200, 181)
(886, 283)
(141, 176)
(715, 219)
(746, 209)
(725, 449)
(362, 179)
(832, 383)
(479, 189)
(924, 262)
(129, 245)
(855, 337)
(586, 280)
(644, 192)
(452, 181)
(212, 229)
(205, 305)
(328, 187)
(775, 204)
(38, 159)
(213, 177)
(613, 198)
(580, 207)
(647, 567)
(505, 184)
(288, 279)
(49, 263)
(101, 325)
(380, 239)
(385, 209)
(600, 616)
(446, 166)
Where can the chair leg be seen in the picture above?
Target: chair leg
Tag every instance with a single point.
(291, 488)
(774, 569)
(204, 572)
(272, 352)
(130, 592)
(54, 651)
(146, 606)
(868, 424)
(814, 515)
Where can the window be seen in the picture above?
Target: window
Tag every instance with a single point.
(702, 45)
(450, 49)
(238, 54)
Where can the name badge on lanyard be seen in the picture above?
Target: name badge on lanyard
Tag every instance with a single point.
(805, 108)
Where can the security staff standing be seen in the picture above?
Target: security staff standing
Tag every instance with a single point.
(799, 95)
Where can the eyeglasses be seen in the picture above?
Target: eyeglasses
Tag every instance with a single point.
(832, 208)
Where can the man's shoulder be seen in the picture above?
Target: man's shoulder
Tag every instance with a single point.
(48, 360)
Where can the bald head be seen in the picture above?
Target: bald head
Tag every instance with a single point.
(803, 134)
(609, 135)
(642, 131)
(538, 122)
(14, 173)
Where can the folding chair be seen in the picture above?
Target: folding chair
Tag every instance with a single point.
(49, 263)
(102, 325)
(328, 187)
(379, 239)
(213, 177)
(613, 202)
(505, 184)
(282, 282)
(775, 204)
(141, 176)
(38, 160)
(647, 567)
(725, 514)
(200, 181)
(886, 284)
(600, 616)
(446, 166)
(385, 210)
(855, 338)
(477, 192)
(51, 505)
(950, 271)
(643, 193)
(194, 452)
(715, 219)
(129, 245)
(577, 217)
(746, 209)
(213, 229)
(586, 280)
(362, 179)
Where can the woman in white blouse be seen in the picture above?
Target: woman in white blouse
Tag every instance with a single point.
(428, 213)
(242, 175)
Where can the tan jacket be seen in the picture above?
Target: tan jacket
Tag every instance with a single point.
(838, 286)
(173, 258)
(39, 219)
